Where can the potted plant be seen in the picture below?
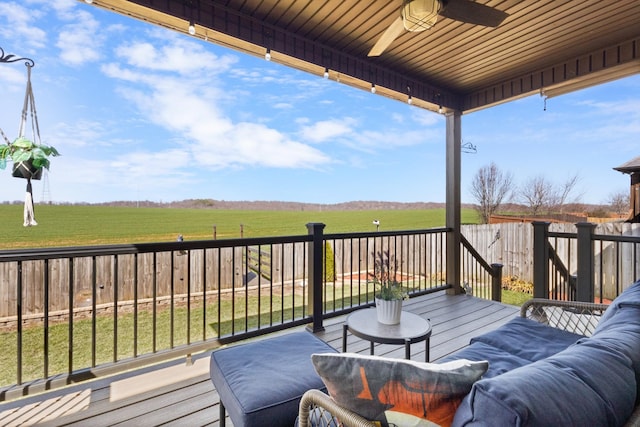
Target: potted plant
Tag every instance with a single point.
(28, 157)
(390, 291)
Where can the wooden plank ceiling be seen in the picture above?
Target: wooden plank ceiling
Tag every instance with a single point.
(549, 46)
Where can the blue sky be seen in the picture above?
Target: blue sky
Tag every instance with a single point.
(143, 113)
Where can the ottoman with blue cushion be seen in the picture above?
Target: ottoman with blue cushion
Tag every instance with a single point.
(261, 383)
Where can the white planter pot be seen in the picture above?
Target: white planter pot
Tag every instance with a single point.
(388, 312)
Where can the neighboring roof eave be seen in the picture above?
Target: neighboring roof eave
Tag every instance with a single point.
(629, 167)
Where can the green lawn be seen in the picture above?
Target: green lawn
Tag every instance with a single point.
(96, 225)
(514, 297)
(172, 329)
(65, 225)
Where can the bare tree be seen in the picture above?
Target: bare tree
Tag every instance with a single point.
(560, 194)
(619, 202)
(537, 193)
(490, 187)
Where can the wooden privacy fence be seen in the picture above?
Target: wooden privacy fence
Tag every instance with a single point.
(616, 257)
(198, 271)
(140, 276)
(79, 282)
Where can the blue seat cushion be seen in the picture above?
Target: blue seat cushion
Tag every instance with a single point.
(515, 344)
(265, 380)
(499, 360)
(528, 339)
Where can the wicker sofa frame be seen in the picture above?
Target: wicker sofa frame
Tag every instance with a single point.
(318, 409)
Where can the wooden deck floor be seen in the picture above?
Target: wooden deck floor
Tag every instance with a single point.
(182, 395)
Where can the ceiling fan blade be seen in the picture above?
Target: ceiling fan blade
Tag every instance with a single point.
(387, 37)
(472, 13)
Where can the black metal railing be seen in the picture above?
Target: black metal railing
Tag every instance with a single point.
(479, 278)
(348, 265)
(583, 266)
(80, 312)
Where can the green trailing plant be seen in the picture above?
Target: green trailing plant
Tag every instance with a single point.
(384, 277)
(23, 149)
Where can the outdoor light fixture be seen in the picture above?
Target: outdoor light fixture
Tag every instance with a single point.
(267, 55)
(326, 73)
(192, 28)
(440, 109)
(409, 99)
(373, 88)
(88, 1)
(420, 15)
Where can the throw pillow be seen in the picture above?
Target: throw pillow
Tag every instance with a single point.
(386, 390)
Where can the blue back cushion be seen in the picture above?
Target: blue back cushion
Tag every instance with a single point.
(630, 296)
(586, 384)
(619, 328)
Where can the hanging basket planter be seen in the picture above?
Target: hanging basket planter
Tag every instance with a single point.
(28, 155)
(26, 170)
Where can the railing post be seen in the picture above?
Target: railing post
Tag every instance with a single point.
(540, 259)
(584, 282)
(496, 282)
(314, 261)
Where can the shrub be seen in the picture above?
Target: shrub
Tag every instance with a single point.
(329, 266)
(514, 283)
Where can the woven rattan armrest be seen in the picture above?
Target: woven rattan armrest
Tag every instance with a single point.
(315, 399)
(573, 316)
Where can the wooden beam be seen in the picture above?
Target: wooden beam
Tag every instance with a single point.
(236, 30)
(599, 66)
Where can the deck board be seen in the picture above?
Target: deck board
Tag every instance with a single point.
(177, 394)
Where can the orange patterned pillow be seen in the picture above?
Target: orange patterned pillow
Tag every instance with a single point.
(390, 390)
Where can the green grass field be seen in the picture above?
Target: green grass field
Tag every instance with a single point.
(64, 225)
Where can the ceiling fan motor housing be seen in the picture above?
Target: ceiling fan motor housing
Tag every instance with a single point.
(420, 15)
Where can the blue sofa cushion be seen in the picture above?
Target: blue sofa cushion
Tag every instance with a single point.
(586, 384)
(629, 297)
(499, 360)
(528, 339)
(515, 344)
(621, 332)
(265, 380)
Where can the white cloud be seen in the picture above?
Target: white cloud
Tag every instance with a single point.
(180, 56)
(182, 96)
(326, 130)
(80, 41)
(425, 118)
(18, 24)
